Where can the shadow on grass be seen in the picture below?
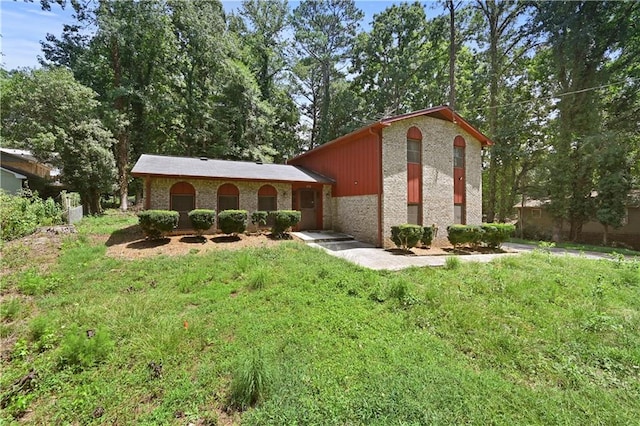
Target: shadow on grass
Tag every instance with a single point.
(225, 239)
(125, 235)
(147, 244)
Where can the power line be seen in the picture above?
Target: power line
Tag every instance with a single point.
(559, 95)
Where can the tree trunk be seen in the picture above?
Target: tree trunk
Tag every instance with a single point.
(605, 235)
(122, 146)
(325, 104)
(493, 116)
(452, 55)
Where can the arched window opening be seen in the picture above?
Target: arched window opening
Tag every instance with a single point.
(459, 188)
(182, 198)
(228, 197)
(414, 176)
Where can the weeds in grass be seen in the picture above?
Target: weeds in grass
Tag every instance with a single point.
(31, 283)
(451, 263)
(41, 333)
(258, 279)
(10, 309)
(243, 262)
(250, 382)
(83, 349)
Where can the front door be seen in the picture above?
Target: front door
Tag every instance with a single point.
(307, 204)
(183, 204)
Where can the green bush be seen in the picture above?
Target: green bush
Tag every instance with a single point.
(494, 234)
(21, 214)
(464, 234)
(157, 223)
(202, 220)
(232, 221)
(283, 220)
(259, 218)
(428, 233)
(406, 236)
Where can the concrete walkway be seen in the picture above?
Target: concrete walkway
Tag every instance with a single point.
(367, 255)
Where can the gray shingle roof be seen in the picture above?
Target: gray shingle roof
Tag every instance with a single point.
(160, 165)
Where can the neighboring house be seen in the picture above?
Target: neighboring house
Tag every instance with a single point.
(12, 182)
(538, 223)
(423, 167)
(40, 177)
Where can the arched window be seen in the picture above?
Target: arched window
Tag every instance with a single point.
(182, 198)
(228, 197)
(414, 176)
(459, 188)
(267, 198)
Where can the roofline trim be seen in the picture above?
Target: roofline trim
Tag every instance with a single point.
(170, 176)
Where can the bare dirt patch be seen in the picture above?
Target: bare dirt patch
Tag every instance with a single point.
(130, 243)
(40, 249)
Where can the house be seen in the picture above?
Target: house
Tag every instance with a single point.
(422, 167)
(39, 176)
(12, 182)
(537, 223)
(183, 184)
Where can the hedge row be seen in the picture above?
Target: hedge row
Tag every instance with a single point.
(157, 223)
(407, 236)
(491, 234)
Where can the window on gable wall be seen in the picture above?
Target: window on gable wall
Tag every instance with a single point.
(413, 151)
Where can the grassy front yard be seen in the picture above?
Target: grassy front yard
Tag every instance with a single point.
(534, 339)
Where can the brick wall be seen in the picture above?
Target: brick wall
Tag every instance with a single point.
(207, 193)
(357, 216)
(437, 175)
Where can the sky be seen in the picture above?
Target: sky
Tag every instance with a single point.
(23, 25)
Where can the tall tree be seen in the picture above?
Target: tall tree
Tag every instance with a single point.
(393, 59)
(503, 41)
(324, 32)
(581, 35)
(50, 113)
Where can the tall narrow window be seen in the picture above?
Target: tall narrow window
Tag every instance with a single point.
(414, 176)
(459, 186)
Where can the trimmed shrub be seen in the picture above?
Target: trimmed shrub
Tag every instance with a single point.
(428, 233)
(283, 220)
(464, 234)
(202, 220)
(494, 234)
(232, 221)
(259, 218)
(157, 223)
(406, 236)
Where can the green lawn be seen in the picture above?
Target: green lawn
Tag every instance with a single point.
(533, 339)
(581, 247)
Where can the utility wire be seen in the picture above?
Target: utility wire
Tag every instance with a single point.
(559, 95)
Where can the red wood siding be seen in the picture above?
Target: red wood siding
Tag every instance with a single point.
(414, 133)
(355, 166)
(414, 180)
(182, 188)
(459, 175)
(267, 190)
(228, 189)
(458, 186)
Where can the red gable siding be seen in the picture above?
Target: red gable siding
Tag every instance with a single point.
(354, 166)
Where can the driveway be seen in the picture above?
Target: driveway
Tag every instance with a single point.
(376, 258)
